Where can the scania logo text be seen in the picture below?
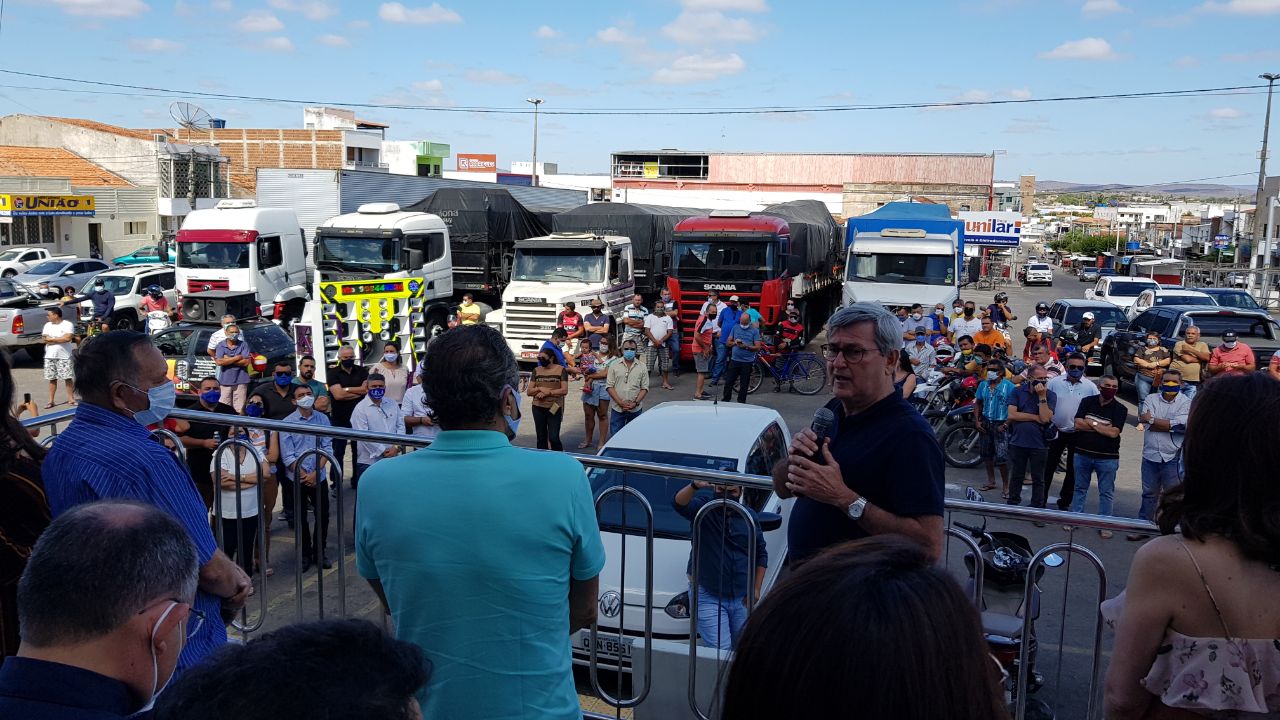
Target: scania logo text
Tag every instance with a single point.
(719, 286)
(610, 604)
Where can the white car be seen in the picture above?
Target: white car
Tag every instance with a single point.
(1164, 296)
(19, 260)
(128, 284)
(1119, 290)
(675, 433)
(1038, 273)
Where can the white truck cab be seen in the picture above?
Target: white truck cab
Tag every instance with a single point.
(554, 269)
(901, 266)
(240, 246)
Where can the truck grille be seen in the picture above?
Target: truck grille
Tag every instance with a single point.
(527, 321)
(194, 285)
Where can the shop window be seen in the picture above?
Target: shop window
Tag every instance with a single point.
(138, 227)
(47, 234)
(5, 238)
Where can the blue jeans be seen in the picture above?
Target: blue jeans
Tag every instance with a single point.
(618, 419)
(1141, 386)
(1189, 389)
(722, 354)
(1085, 468)
(1157, 478)
(720, 621)
(673, 344)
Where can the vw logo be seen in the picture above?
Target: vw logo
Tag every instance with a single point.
(610, 604)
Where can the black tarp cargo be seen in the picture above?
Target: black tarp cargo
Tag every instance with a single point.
(816, 242)
(649, 227)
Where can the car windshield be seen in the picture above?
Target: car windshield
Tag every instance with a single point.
(10, 255)
(1102, 316)
(623, 513)
(1106, 271)
(1038, 266)
(584, 265)
(51, 267)
(268, 340)
(1237, 299)
(1184, 300)
(213, 255)
(725, 260)
(116, 284)
(903, 268)
(1245, 326)
(1127, 289)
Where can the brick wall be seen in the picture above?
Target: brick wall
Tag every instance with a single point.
(249, 150)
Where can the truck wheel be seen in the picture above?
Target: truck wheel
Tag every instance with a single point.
(435, 326)
(10, 273)
(35, 352)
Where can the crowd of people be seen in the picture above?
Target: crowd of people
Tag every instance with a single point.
(121, 601)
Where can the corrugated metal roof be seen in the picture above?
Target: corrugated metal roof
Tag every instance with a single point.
(103, 127)
(56, 163)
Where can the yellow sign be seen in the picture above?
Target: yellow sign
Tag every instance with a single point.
(651, 169)
(14, 205)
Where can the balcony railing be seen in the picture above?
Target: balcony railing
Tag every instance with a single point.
(364, 165)
(1075, 690)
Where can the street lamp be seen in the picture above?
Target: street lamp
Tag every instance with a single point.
(1262, 170)
(538, 101)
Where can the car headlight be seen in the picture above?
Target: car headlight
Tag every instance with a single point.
(678, 608)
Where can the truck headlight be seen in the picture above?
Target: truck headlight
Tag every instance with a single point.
(678, 608)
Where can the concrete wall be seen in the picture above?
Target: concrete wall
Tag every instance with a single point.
(249, 150)
(694, 197)
(862, 198)
(133, 159)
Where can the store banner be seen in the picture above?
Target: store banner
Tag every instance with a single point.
(15, 205)
(992, 228)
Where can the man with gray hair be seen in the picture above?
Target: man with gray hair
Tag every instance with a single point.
(493, 604)
(1031, 407)
(105, 606)
(879, 469)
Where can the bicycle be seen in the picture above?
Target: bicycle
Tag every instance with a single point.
(804, 372)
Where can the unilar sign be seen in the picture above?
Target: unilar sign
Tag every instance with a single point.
(477, 162)
(998, 229)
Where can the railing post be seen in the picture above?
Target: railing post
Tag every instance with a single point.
(243, 624)
(639, 697)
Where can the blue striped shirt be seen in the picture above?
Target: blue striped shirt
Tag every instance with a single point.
(292, 445)
(103, 454)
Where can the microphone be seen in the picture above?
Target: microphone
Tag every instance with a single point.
(823, 419)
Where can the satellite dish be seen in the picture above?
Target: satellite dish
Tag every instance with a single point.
(191, 117)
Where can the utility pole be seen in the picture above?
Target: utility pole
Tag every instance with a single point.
(191, 178)
(536, 102)
(1262, 171)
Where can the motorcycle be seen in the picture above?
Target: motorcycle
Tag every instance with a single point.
(1006, 558)
(157, 320)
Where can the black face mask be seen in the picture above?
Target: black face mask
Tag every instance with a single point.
(348, 363)
(968, 312)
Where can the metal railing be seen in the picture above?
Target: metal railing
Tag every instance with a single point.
(1074, 522)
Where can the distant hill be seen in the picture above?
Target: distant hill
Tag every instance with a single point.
(1185, 189)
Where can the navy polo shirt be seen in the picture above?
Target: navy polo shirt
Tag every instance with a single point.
(887, 454)
(723, 568)
(38, 690)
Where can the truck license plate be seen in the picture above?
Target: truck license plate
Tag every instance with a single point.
(606, 645)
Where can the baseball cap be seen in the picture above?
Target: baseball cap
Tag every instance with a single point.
(1087, 316)
(1229, 335)
(733, 298)
(920, 330)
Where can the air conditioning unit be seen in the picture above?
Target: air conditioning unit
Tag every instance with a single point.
(210, 306)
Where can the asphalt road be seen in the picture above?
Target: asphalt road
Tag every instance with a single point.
(1072, 587)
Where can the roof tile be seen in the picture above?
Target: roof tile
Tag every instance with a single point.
(103, 127)
(58, 163)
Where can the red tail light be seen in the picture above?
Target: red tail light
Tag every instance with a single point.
(278, 312)
(18, 325)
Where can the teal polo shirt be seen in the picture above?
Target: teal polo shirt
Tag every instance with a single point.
(475, 541)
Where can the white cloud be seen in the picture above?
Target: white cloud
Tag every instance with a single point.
(1019, 93)
(1187, 61)
(492, 77)
(103, 8)
(433, 86)
(333, 41)
(546, 32)
(260, 21)
(738, 5)
(699, 27)
(395, 12)
(1102, 7)
(278, 44)
(1090, 48)
(1225, 113)
(310, 9)
(614, 35)
(154, 45)
(221, 4)
(1242, 7)
(702, 67)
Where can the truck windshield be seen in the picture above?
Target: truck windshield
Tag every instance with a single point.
(369, 254)
(748, 261)
(547, 264)
(213, 255)
(900, 268)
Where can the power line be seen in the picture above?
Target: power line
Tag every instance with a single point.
(752, 110)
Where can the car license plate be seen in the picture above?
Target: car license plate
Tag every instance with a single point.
(606, 644)
(528, 354)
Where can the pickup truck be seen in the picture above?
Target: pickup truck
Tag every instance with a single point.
(22, 318)
(1036, 272)
(185, 348)
(1255, 329)
(20, 260)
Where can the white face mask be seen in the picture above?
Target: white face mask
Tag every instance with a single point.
(306, 402)
(156, 687)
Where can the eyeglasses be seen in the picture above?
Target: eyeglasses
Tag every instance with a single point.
(853, 354)
(195, 618)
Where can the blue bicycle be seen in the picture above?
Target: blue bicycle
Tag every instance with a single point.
(802, 372)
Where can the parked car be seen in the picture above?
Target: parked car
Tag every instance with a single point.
(128, 285)
(1232, 297)
(1159, 296)
(22, 318)
(1067, 313)
(674, 433)
(1119, 291)
(1255, 329)
(1088, 273)
(148, 254)
(51, 277)
(1037, 273)
(19, 260)
(185, 349)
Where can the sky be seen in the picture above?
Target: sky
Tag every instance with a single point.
(660, 55)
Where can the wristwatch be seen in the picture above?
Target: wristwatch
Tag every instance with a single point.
(856, 508)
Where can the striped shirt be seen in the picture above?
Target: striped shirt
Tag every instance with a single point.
(103, 454)
(293, 446)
